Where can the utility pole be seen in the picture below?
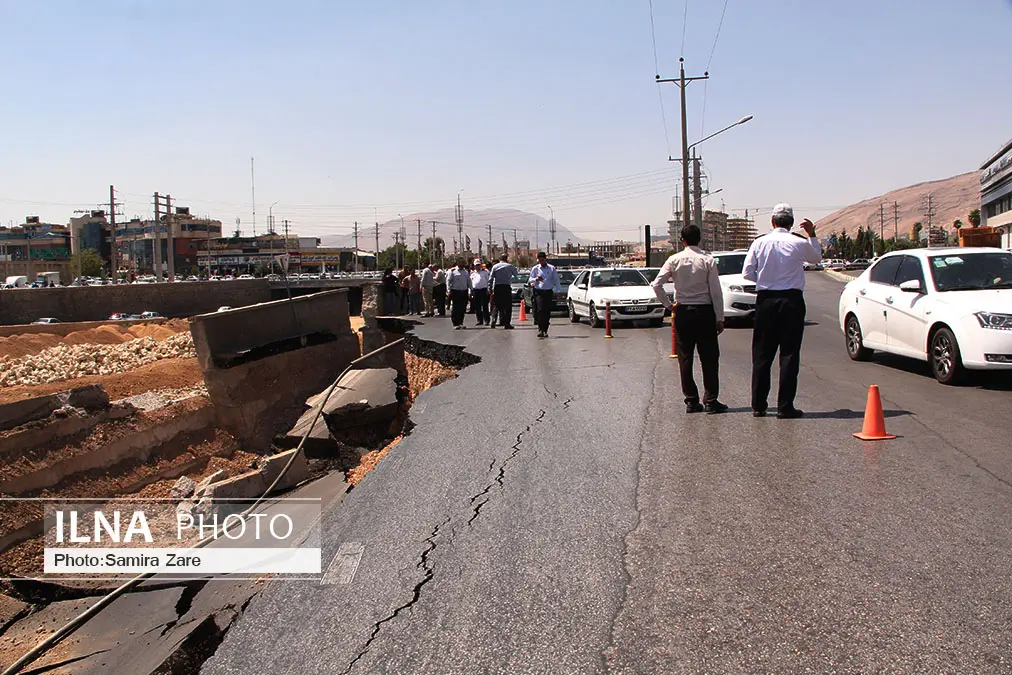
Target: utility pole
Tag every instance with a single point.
(157, 244)
(537, 237)
(253, 194)
(881, 224)
(929, 215)
(170, 240)
(460, 224)
(489, 242)
(356, 246)
(646, 240)
(377, 245)
(697, 195)
(683, 82)
(433, 248)
(112, 238)
(419, 222)
(896, 221)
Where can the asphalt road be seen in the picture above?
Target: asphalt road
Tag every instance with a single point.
(555, 511)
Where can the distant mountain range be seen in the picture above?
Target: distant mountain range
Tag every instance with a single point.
(951, 199)
(527, 226)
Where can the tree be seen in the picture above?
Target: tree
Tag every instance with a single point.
(974, 218)
(957, 223)
(88, 263)
(915, 232)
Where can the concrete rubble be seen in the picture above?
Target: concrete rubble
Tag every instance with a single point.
(92, 397)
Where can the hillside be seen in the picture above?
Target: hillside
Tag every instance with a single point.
(476, 222)
(952, 198)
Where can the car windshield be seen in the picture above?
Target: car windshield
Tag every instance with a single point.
(650, 273)
(971, 271)
(566, 276)
(730, 264)
(521, 277)
(612, 278)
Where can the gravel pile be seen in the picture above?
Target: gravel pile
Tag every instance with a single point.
(64, 362)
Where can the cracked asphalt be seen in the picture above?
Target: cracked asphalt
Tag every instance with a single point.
(555, 511)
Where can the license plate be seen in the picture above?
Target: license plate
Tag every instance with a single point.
(637, 310)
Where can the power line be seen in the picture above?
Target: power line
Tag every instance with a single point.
(657, 70)
(702, 117)
(685, 21)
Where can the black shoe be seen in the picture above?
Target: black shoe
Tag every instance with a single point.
(758, 413)
(693, 407)
(508, 327)
(714, 407)
(789, 414)
(542, 334)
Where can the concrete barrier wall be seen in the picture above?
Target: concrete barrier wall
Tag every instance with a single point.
(65, 329)
(95, 303)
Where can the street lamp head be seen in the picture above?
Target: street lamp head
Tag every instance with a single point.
(744, 119)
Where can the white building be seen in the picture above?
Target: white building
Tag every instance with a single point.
(996, 193)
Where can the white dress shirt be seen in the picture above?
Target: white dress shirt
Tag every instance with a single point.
(775, 261)
(694, 274)
(479, 279)
(459, 279)
(549, 280)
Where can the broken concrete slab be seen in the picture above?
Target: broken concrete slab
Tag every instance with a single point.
(271, 466)
(362, 397)
(201, 487)
(91, 397)
(249, 485)
(318, 439)
(183, 488)
(63, 424)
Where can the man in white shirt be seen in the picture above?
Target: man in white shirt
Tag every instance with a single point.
(698, 317)
(500, 279)
(458, 281)
(545, 283)
(775, 262)
(479, 292)
(428, 283)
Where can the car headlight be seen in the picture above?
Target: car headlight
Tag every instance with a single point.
(735, 288)
(994, 320)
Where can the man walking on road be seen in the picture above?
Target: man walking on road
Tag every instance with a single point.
(502, 293)
(479, 292)
(775, 262)
(698, 317)
(459, 282)
(545, 282)
(428, 283)
(439, 291)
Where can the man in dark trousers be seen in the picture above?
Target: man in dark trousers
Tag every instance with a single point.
(458, 280)
(502, 292)
(698, 317)
(775, 262)
(439, 291)
(545, 282)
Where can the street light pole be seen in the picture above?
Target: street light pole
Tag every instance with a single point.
(682, 82)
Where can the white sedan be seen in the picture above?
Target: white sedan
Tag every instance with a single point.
(739, 292)
(627, 290)
(951, 307)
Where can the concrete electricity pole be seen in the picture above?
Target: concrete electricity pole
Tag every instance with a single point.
(489, 242)
(157, 243)
(170, 245)
(377, 245)
(419, 222)
(697, 194)
(896, 221)
(683, 82)
(114, 253)
(356, 246)
(881, 224)
(434, 248)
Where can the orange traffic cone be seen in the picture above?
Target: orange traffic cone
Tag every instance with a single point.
(523, 311)
(874, 421)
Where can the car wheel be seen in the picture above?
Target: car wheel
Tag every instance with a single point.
(946, 362)
(595, 320)
(855, 340)
(573, 318)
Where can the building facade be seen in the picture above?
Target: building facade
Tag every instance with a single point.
(739, 233)
(996, 193)
(136, 246)
(35, 247)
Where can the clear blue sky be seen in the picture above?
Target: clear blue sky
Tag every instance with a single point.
(356, 108)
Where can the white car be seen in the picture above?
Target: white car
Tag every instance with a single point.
(951, 307)
(627, 290)
(739, 293)
(246, 277)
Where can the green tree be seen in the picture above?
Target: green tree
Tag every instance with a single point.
(974, 218)
(915, 232)
(88, 263)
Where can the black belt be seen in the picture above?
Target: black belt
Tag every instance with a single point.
(786, 293)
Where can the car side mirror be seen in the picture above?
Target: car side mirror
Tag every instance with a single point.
(911, 286)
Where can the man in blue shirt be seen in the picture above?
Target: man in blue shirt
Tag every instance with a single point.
(545, 282)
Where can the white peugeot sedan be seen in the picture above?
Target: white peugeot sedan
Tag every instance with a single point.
(631, 297)
(739, 292)
(951, 307)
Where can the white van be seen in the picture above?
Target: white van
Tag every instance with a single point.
(16, 282)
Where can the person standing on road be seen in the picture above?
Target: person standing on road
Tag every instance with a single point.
(428, 283)
(459, 283)
(479, 292)
(415, 292)
(698, 314)
(545, 282)
(502, 292)
(439, 291)
(390, 285)
(775, 262)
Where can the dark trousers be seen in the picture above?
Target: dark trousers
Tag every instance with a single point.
(543, 301)
(503, 298)
(779, 325)
(439, 295)
(696, 330)
(458, 302)
(479, 301)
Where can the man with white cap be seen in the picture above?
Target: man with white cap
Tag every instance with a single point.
(775, 262)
